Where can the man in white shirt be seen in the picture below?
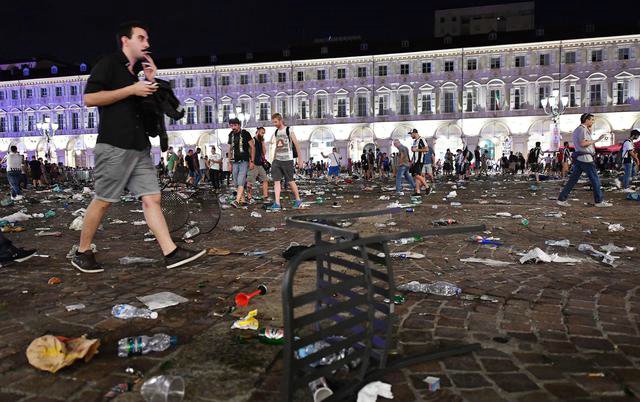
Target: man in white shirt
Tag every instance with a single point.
(629, 157)
(14, 172)
(215, 163)
(334, 164)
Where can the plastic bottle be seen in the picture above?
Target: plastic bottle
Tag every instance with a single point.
(192, 232)
(442, 288)
(144, 344)
(407, 240)
(409, 210)
(525, 222)
(271, 335)
(126, 311)
(135, 260)
(254, 253)
(444, 222)
(271, 229)
(49, 214)
(319, 200)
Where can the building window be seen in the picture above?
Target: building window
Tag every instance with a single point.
(570, 58)
(264, 111)
(226, 111)
(16, 123)
(1, 95)
(31, 123)
(207, 81)
(14, 94)
(596, 56)
(362, 106)
(426, 67)
(404, 69)
(191, 115)
(224, 80)
(622, 92)
(320, 108)
(283, 107)
(91, 120)
(73, 90)
(595, 96)
(382, 71)
(517, 99)
(519, 61)
(470, 102)
(362, 72)
(572, 96)
(75, 123)
(342, 107)
(543, 92)
(282, 77)
(623, 53)
(448, 66)
(341, 73)
(43, 92)
(472, 64)
(188, 83)
(3, 124)
(208, 114)
(300, 76)
(382, 105)
(495, 63)
(426, 104)
(28, 93)
(60, 121)
(543, 59)
(404, 104)
(172, 84)
(321, 75)
(244, 79)
(58, 91)
(449, 106)
(494, 99)
(262, 78)
(303, 110)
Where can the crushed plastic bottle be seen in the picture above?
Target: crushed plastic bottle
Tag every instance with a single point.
(237, 228)
(126, 311)
(558, 243)
(271, 229)
(439, 288)
(255, 214)
(144, 344)
(254, 253)
(525, 222)
(407, 240)
(192, 232)
(444, 222)
(136, 260)
(50, 214)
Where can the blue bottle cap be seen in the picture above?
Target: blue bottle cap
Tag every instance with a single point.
(173, 340)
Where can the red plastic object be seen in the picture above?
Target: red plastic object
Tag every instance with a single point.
(242, 299)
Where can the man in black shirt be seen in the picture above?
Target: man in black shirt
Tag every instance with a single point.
(36, 171)
(191, 165)
(122, 152)
(258, 172)
(242, 157)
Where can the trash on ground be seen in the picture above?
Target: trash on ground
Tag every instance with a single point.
(77, 223)
(51, 353)
(16, 217)
(237, 228)
(271, 336)
(79, 212)
(607, 258)
(486, 240)
(74, 307)
(139, 223)
(486, 261)
(503, 214)
(242, 299)
(54, 281)
(126, 311)
(558, 243)
(161, 300)
(615, 227)
(439, 288)
(537, 255)
(191, 233)
(404, 254)
(136, 260)
(117, 390)
(452, 194)
(444, 222)
(319, 389)
(218, 251)
(141, 345)
(407, 240)
(612, 248)
(45, 233)
(270, 229)
(371, 391)
(433, 383)
(255, 214)
(167, 388)
(248, 322)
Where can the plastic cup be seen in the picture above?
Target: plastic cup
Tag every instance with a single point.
(163, 388)
(320, 389)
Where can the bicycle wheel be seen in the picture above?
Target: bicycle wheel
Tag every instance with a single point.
(204, 209)
(175, 209)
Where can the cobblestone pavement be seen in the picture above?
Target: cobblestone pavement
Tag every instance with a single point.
(549, 331)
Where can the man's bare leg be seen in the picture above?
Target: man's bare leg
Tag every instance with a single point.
(157, 223)
(276, 192)
(265, 189)
(294, 188)
(92, 218)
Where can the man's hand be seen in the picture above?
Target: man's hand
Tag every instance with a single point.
(230, 167)
(251, 165)
(300, 164)
(149, 68)
(143, 88)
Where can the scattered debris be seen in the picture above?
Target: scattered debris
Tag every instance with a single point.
(537, 255)
(486, 261)
(161, 300)
(51, 353)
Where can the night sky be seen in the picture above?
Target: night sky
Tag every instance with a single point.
(77, 31)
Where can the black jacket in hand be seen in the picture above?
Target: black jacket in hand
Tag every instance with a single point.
(155, 107)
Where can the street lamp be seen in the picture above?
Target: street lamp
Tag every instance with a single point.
(48, 128)
(554, 106)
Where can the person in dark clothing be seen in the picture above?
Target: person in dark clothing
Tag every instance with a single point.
(191, 166)
(10, 253)
(36, 171)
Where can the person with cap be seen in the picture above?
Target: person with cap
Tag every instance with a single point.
(629, 157)
(242, 156)
(334, 164)
(584, 162)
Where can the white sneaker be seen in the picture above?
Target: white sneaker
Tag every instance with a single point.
(604, 204)
(628, 190)
(618, 183)
(563, 203)
(17, 197)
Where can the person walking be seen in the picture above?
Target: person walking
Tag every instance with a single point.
(283, 167)
(404, 163)
(242, 156)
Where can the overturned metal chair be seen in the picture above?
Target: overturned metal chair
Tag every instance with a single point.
(350, 310)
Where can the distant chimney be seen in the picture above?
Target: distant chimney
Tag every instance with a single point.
(249, 55)
(179, 60)
(404, 43)
(286, 52)
(324, 50)
(590, 28)
(213, 58)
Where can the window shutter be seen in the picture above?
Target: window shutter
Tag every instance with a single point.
(588, 94)
(433, 102)
(419, 103)
(464, 100)
(219, 113)
(335, 106)
(614, 93)
(512, 98)
(376, 105)
(632, 52)
(347, 101)
(605, 54)
(578, 94)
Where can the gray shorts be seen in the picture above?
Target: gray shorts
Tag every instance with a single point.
(427, 169)
(282, 169)
(117, 169)
(240, 170)
(257, 173)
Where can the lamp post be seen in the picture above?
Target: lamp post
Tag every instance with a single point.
(554, 106)
(48, 129)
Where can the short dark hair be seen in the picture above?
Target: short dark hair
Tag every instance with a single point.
(537, 144)
(584, 117)
(566, 143)
(14, 148)
(126, 29)
(635, 133)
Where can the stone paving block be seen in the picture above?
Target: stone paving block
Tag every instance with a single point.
(498, 365)
(599, 385)
(546, 372)
(482, 395)
(513, 382)
(461, 363)
(469, 380)
(565, 390)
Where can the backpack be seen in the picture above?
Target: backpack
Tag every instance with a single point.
(625, 157)
(294, 149)
(533, 155)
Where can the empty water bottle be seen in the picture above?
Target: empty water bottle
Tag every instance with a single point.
(254, 253)
(442, 288)
(144, 344)
(192, 232)
(126, 311)
(135, 260)
(271, 229)
(407, 240)
(444, 222)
